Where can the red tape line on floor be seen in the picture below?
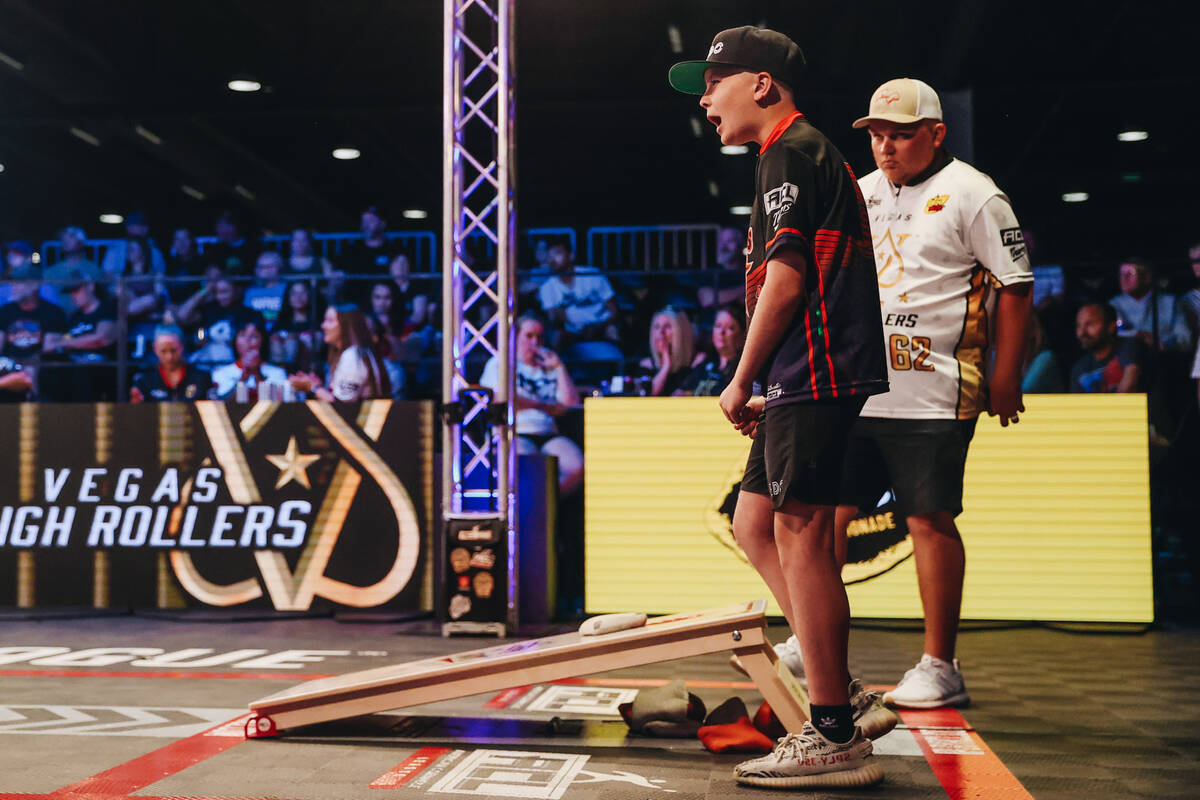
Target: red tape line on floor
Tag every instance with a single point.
(966, 767)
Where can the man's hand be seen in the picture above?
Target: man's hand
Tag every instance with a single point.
(733, 401)
(1004, 399)
(751, 416)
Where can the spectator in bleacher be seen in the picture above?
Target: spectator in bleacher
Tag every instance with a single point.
(73, 258)
(1041, 374)
(373, 254)
(415, 301)
(18, 257)
(544, 391)
(24, 324)
(249, 367)
(265, 295)
(232, 252)
(183, 261)
(218, 312)
(728, 337)
(173, 379)
(141, 290)
(1109, 363)
(388, 320)
(90, 339)
(579, 301)
(354, 366)
(729, 285)
(672, 352)
(1145, 314)
(1191, 300)
(302, 257)
(296, 334)
(136, 230)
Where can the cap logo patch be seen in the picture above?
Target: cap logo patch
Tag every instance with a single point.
(887, 97)
(936, 203)
(716, 48)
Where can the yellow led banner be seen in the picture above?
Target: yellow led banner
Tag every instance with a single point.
(1057, 519)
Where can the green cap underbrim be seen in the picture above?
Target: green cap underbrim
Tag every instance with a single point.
(688, 76)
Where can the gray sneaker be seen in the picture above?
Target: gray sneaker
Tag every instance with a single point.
(807, 760)
(870, 715)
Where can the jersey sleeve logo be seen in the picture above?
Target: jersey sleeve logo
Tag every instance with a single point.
(779, 201)
(936, 203)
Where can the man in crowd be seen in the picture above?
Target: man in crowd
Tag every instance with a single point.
(26, 322)
(578, 300)
(265, 295)
(90, 339)
(1109, 363)
(232, 252)
(954, 282)
(1145, 314)
(374, 253)
(74, 259)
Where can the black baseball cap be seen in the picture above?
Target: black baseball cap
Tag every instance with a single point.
(756, 49)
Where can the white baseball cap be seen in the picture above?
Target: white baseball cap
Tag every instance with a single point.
(902, 100)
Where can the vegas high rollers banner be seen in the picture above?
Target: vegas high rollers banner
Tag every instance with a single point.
(270, 505)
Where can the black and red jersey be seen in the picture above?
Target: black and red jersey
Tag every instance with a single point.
(807, 200)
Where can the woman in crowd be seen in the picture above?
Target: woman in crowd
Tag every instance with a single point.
(544, 391)
(142, 288)
(728, 337)
(173, 379)
(354, 366)
(672, 351)
(248, 368)
(296, 334)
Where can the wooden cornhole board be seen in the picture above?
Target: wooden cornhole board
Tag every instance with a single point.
(740, 628)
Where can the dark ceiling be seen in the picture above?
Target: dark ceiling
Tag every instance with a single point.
(601, 137)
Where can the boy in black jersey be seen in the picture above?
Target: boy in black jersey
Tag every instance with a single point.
(814, 346)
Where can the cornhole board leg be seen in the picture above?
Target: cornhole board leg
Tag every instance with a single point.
(740, 627)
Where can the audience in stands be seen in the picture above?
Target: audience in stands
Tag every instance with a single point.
(728, 337)
(354, 368)
(1109, 363)
(579, 302)
(18, 256)
(415, 304)
(729, 282)
(137, 229)
(1042, 374)
(90, 339)
(245, 379)
(73, 259)
(25, 322)
(219, 314)
(373, 254)
(544, 391)
(232, 252)
(296, 334)
(140, 289)
(173, 379)
(1146, 314)
(265, 294)
(673, 353)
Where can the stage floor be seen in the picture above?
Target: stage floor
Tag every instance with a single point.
(132, 706)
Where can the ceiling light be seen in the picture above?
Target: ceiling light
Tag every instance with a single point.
(85, 136)
(244, 85)
(675, 38)
(414, 213)
(111, 219)
(346, 153)
(148, 135)
(1133, 136)
(1075, 197)
(193, 192)
(243, 191)
(1, 168)
(735, 150)
(741, 211)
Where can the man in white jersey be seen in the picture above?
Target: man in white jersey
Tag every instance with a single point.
(954, 284)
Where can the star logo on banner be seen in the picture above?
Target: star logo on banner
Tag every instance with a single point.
(293, 466)
(904, 297)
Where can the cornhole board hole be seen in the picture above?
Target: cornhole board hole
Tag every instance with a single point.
(739, 628)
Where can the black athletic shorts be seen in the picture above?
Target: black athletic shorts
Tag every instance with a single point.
(798, 451)
(920, 460)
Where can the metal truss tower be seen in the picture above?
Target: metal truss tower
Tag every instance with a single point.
(479, 456)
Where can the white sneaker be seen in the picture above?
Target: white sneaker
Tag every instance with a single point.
(870, 715)
(787, 651)
(932, 683)
(808, 760)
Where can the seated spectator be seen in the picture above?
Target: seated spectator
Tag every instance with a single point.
(28, 319)
(248, 369)
(296, 334)
(1191, 300)
(728, 338)
(415, 304)
(354, 370)
(1042, 374)
(173, 379)
(1143, 313)
(544, 391)
(578, 300)
(116, 259)
(729, 285)
(302, 257)
(265, 295)
(1110, 364)
(219, 314)
(231, 252)
(387, 320)
(183, 261)
(90, 339)
(74, 259)
(142, 289)
(373, 253)
(672, 352)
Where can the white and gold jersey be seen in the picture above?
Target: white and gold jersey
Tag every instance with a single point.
(942, 248)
